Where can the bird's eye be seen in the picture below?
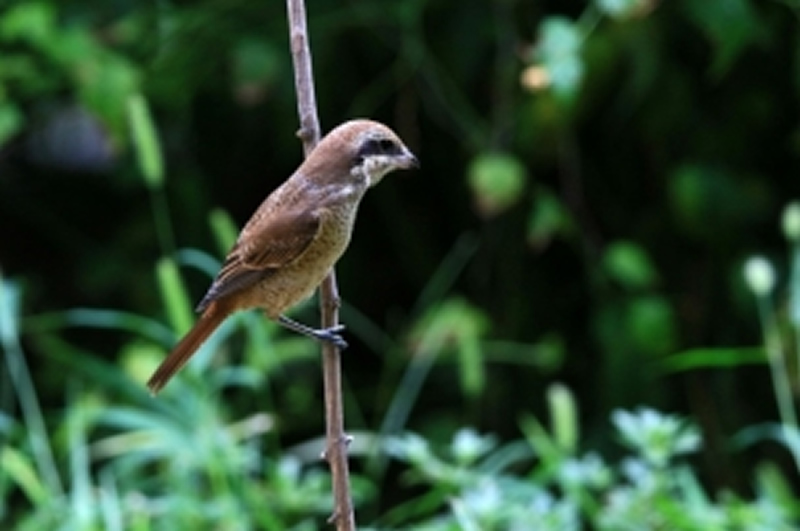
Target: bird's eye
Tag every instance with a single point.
(375, 146)
(386, 145)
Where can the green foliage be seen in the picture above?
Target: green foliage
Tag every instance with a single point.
(475, 483)
(732, 26)
(11, 121)
(145, 141)
(53, 55)
(622, 9)
(629, 265)
(497, 181)
(594, 175)
(457, 323)
(782, 353)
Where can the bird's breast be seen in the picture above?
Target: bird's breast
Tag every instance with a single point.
(297, 280)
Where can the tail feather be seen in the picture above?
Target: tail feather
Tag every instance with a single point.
(210, 319)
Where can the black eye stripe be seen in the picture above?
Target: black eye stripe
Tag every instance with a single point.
(378, 146)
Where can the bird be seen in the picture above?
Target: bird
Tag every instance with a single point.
(295, 237)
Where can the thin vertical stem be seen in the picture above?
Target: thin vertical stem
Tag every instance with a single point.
(309, 133)
(780, 374)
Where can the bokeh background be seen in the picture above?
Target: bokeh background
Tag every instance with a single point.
(595, 175)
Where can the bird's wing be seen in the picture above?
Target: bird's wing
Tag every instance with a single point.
(263, 247)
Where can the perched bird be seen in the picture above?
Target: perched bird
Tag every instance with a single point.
(294, 238)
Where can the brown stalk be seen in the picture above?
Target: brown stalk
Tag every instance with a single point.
(335, 437)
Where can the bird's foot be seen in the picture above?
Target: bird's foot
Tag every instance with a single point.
(329, 335)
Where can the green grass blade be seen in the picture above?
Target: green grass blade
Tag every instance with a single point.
(713, 358)
(145, 142)
(24, 388)
(16, 466)
(174, 296)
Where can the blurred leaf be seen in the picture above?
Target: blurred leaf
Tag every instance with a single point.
(558, 51)
(548, 219)
(140, 358)
(144, 136)
(543, 444)
(16, 466)
(564, 417)
(622, 9)
(30, 21)
(9, 312)
(651, 323)
(731, 25)
(713, 203)
(793, 288)
(75, 50)
(81, 493)
(468, 446)
(98, 318)
(455, 324)
(17, 67)
(256, 65)
(713, 358)
(497, 181)
(627, 263)
(773, 485)
(254, 60)
(546, 355)
(656, 436)
(224, 229)
(104, 85)
(11, 121)
(174, 296)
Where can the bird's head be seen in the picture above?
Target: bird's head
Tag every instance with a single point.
(363, 149)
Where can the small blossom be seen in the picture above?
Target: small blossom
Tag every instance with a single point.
(791, 221)
(759, 275)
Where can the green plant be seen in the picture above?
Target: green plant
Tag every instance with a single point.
(476, 483)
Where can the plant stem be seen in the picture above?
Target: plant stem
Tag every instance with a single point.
(780, 375)
(309, 133)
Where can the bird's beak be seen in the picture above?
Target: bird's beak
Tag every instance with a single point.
(409, 161)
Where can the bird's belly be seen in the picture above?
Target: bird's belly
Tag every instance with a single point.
(297, 281)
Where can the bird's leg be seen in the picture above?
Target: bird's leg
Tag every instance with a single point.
(330, 335)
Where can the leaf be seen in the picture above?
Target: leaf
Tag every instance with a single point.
(17, 466)
(651, 323)
(105, 83)
(564, 417)
(497, 181)
(9, 311)
(713, 358)
(731, 25)
(11, 121)
(173, 293)
(547, 219)
(29, 21)
(628, 264)
(144, 136)
(456, 324)
(224, 229)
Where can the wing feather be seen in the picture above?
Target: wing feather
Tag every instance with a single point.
(264, 246)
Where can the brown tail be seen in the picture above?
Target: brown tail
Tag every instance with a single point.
(210, 319)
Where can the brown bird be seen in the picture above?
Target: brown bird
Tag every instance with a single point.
(294, 238)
